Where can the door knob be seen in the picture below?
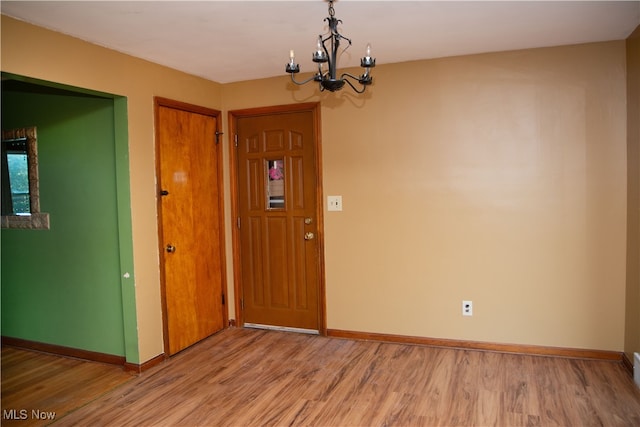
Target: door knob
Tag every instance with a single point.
(309, 236)
(171, 249)
(308, 220)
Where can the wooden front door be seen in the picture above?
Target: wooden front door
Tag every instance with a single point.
(191, 239)
(279, 223)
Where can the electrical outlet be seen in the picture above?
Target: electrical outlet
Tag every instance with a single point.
(467, 308)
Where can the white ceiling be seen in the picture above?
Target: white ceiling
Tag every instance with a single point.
(227, 41)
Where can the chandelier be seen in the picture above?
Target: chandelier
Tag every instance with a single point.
(328, 77)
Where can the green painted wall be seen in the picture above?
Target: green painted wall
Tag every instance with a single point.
(63, 286)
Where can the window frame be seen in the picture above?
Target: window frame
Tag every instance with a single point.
(36, 219)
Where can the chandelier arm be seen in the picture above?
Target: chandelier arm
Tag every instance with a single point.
(350, 76)
(314, 77)
(351, 84)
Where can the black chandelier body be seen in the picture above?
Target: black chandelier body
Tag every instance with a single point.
(328, 78)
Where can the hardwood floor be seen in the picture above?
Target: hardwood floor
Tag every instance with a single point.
(38, 387)
(254, 377)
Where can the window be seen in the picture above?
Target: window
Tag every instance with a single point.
(20, 186)
(275, 184)
(16, 152)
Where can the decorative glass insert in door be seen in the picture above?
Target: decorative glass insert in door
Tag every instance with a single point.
(275, 184)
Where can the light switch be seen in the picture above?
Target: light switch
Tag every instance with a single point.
(334, 203)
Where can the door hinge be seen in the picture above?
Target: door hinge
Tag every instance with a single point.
(218, 136)
(238, 223)
(223, 300)
(235, 140)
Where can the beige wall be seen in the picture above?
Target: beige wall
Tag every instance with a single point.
(499, 178)
(632, 335)
(38, 53)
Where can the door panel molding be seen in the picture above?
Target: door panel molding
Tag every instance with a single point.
(233, 116)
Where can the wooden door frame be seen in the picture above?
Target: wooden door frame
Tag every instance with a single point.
(178, 105)
(233, 116)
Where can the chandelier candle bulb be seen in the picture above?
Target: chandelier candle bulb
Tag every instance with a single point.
(367, 63)
(292, 67)
(319, 55)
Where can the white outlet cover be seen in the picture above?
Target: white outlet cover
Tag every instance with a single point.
(334, 203)
(467, 308)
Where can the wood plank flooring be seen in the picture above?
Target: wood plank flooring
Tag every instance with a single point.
(38, 387)
(243, 377)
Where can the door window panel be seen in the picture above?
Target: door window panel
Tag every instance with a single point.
(275, 184)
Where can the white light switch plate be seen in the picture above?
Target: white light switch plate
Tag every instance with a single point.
(334, 203)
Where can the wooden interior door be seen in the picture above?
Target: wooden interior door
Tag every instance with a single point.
(278, 220)
(191, 239)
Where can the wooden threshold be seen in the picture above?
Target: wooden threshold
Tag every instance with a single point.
(533, 350)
